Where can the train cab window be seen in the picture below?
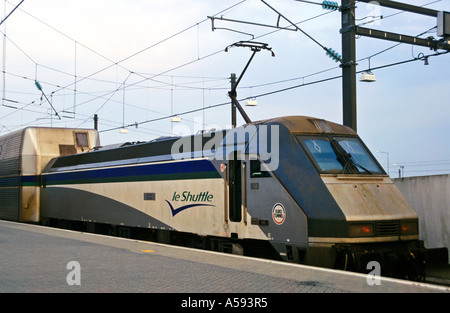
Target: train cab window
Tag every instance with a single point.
(339, 155)
(322, 153)
(81, 139)
(361, 158)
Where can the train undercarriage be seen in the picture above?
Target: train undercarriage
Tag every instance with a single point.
(403, 260)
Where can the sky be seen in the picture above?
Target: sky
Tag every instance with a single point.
(137, 63)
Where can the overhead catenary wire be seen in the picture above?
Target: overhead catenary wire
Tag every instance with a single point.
(104, 95)
(160, 82)
(159, 75)
(113, 63)
(269, 93)
(6, 17)
(328, 50)
(147, 75)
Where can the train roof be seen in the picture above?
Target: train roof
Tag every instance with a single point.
(309, 125)
(160, 149)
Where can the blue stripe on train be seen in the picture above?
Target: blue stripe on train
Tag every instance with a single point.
(173, 170)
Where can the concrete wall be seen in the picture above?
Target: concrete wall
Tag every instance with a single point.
(430, 197)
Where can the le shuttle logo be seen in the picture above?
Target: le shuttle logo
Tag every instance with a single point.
(187, 196)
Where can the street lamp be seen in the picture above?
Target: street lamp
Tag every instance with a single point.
(368, 77)
(400, 170)
(251, 102)
(176, 119)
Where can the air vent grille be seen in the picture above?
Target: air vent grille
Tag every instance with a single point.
(387, 228)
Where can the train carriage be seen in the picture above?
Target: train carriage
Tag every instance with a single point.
(23, 156)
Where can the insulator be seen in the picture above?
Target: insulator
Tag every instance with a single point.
(330, 5)
(333, 54)
(38, 86)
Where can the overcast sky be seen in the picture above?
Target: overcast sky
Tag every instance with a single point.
(140, 62)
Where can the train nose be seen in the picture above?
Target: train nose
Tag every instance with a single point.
(375, 200)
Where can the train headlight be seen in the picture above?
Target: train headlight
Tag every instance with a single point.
(409, 227)
(361, 230)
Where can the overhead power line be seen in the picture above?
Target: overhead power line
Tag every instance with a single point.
(114, 63)
(329, 51)
(39, 87)
(266, 94)
(11, 12)
(151, 77)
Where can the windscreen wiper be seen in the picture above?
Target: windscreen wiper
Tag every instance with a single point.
(358, 165)
(346, 159)
(350, 167)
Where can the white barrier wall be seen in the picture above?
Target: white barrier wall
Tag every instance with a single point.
(430, 198)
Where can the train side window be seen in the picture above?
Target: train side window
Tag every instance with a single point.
(0, 149)
(256, 171)
(81, 139)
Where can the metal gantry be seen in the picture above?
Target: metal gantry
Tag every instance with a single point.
(349, 30)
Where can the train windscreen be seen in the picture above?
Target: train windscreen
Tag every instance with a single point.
(339, 155)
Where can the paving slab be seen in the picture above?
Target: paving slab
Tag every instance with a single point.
(36, 259)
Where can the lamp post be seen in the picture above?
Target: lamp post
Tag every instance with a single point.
(400, 170)
(387, 155)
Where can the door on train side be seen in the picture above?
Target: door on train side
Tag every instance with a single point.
(236, 180)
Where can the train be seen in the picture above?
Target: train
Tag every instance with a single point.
(295, 188)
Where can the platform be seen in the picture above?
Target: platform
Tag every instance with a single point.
(41, 259)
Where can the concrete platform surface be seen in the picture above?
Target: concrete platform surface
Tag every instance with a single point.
(36, 259)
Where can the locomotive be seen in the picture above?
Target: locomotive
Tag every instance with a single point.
(296, 188)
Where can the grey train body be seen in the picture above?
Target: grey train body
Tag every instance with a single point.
(294, 188)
